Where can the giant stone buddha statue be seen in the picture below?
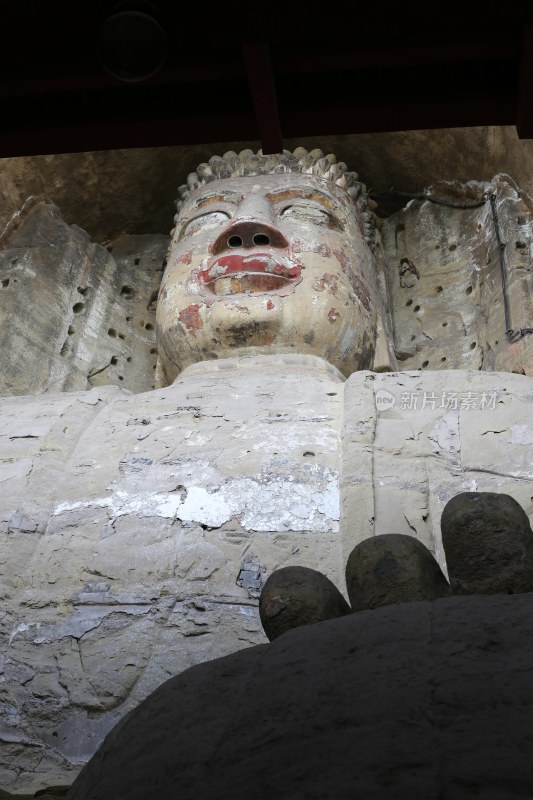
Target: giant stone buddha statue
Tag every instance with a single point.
(139, 528)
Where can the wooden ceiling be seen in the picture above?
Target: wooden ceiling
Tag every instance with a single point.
(258, 74)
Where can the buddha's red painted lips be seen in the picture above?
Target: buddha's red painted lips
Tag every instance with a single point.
(237, 265)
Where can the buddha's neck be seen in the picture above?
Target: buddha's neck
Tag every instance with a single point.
(292, 362)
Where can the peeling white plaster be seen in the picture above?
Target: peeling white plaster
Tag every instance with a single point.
(260, 503)
(445, 435)
(207, 508)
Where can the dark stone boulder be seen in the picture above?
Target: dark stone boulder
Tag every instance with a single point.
(392, 568)
(294, 596)
(488, 542)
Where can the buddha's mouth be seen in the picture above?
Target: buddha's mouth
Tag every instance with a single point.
(240, 274)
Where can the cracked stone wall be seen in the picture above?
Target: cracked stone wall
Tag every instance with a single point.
(137, 529)
(74, 314)
(445, 278)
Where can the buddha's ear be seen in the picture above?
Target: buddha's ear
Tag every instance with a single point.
(384, 356)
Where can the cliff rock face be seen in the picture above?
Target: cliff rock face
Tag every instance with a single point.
(74, 314)
(460, 275)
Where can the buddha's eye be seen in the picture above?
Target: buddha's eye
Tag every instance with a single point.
(306, 213)
(205, 221)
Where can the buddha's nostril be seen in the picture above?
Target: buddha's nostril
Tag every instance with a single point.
(234, 241)
(261, 239)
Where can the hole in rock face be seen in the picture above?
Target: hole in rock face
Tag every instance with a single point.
(452, 247)
(473, 345)
(5, 282)
(70, 330)
(137, 261)
(149, 326)
(468, 290)
(438, 289)
(114, 360)
(83, 289)
(308, 453)
(112, 332)
(443, 358)
(416, 308)
(153, 351)
(413, 337)
(127, 292)
(121, 336)
(77, 307)
(409, 303)
(128, 359)
(425, 364)
(444, 324)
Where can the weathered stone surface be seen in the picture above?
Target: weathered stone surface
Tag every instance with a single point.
(392, 568)
(294, 596)
(74, 314)
(444, 276)
(157, 505)
(412, 440)
(488, 543)
(418, 700)
(160, 502)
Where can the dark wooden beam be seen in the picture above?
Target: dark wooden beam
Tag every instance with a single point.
(262, 87)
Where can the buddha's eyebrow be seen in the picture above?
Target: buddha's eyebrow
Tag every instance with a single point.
(216, 197)
(305, 193)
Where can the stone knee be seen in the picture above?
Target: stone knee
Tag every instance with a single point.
(392, 568)
(294, 596)
(488, 543)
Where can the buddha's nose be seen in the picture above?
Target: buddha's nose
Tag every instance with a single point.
(252, 226)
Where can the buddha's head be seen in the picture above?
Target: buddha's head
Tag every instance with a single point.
(270, 254)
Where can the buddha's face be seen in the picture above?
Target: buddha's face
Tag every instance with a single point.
(267, 264)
